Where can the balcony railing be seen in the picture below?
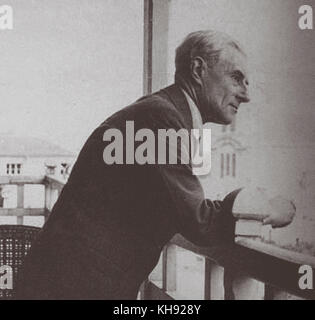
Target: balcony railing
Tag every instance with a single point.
(249, 269)
(53, 188)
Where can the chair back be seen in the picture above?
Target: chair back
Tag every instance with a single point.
(15, 241)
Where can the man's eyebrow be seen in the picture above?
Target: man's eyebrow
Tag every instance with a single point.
(240, 74)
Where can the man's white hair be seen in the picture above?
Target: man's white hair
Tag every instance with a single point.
(207, 44)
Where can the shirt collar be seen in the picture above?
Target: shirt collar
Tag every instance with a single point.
(195, 113)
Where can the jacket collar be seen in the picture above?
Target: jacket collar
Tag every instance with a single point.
(177, 97)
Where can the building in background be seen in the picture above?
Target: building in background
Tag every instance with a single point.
(31, 157)
(27, 156)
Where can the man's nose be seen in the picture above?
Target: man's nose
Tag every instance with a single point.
(243, 95)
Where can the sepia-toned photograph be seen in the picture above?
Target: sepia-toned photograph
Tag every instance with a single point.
(157, 150)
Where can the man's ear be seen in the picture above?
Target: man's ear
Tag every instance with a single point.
(198, 68)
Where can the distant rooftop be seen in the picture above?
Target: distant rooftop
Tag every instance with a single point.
(30, 147)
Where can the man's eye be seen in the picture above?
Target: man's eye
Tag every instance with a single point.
(237, 78)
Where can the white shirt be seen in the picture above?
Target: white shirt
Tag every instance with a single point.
(196, 122)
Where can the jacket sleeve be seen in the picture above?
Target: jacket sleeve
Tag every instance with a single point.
(199, 220)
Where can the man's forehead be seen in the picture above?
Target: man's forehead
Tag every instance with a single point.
(232, 59)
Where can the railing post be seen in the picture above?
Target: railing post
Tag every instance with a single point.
(48, 197)
(228, 279)
(169, 268)
(216, 282)
(20, 202)
(164, 268)
(207, 277)
(54, 196)
(48, 200)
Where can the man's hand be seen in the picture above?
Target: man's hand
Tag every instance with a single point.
(256, 204)
(282, 212)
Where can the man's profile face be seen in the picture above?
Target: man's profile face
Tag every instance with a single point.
(224, 86)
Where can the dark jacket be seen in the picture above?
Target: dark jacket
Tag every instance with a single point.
(110, 223)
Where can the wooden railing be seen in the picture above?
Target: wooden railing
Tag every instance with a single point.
(53, 188)
(248, 269)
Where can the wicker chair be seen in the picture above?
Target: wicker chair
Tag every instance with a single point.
(15, 241)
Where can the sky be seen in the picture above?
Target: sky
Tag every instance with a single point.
(67, 65)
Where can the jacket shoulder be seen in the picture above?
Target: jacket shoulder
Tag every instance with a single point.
(156, 103)
(155, 108)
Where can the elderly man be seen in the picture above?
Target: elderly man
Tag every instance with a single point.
(111, 221)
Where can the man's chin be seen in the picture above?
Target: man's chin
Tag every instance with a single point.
(227, 118)
(227, 121)
(219, 121)
(224, 120)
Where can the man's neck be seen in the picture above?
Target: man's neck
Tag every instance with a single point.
(189, 89)
(195, 114)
